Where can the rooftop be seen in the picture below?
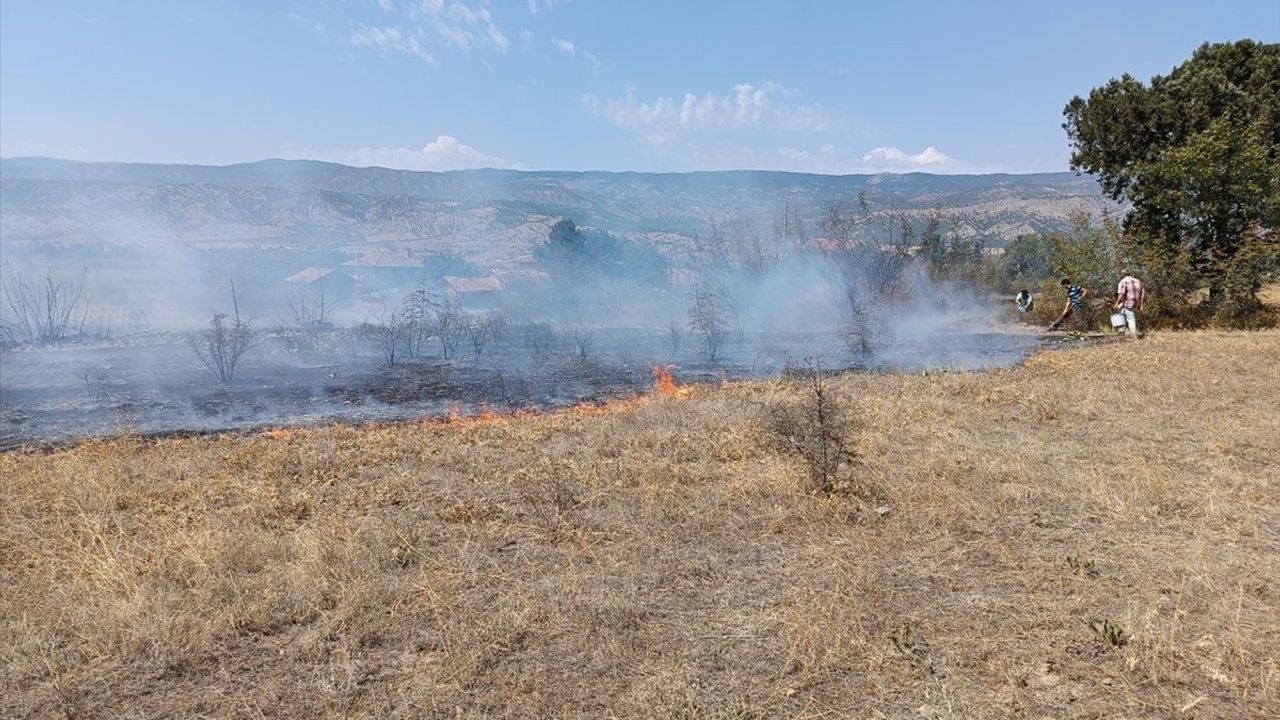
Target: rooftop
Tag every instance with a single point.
(384, 260)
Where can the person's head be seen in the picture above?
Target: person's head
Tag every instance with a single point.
(1065, 282)
(1125, 273)
(1025, 292)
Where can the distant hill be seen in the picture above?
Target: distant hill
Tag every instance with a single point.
(491, 216)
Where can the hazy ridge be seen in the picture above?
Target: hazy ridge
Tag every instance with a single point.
(491, 216)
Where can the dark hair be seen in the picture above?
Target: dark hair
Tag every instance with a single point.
(1065, 281)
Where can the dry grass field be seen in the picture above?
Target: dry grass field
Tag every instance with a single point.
(1093, 535)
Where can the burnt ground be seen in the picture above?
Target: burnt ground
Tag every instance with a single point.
(156, 386)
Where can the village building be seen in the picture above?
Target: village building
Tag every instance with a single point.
(336, 287)
(380, 269)
(482, 293)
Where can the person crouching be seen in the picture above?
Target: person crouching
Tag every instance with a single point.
(1074, 307)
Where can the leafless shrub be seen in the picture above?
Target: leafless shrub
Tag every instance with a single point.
(98, 382)
(582, 340)
(813, 428)
(707, 321)
(859, 328)
(447, 321)
(868, 250)
(221, 346)
(514, 390)
(539, 339)
(307, 314)
(46, 311)
(390, 334)
(419, 311)
(674, 332)
(480, 330)
(308, 308)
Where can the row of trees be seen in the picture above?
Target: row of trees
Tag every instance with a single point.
(1196, 156)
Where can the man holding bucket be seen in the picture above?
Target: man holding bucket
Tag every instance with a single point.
(1128, 302)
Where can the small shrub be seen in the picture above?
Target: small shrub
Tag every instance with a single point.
(1111, 634)
(1081, 564)
(813, 428)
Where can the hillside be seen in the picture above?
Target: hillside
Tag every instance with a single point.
(1093, 534)
(491, 216)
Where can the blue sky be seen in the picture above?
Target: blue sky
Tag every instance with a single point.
(575, 84)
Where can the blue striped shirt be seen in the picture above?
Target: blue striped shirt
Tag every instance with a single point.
(1075, 294)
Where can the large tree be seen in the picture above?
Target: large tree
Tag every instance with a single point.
(1196, 153)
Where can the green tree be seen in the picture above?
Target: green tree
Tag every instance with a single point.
(1195, 153)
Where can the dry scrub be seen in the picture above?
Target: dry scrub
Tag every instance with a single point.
(1096, 534)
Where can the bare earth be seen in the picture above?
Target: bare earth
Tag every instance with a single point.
(663, 559)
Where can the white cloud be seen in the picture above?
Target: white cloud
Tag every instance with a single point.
(387, 5)
(895, 157)
(746, 106)
(27, 149)
(537, 6)
(444, 153)
(390, 40)
(460, 24)
(564, 46)
(716, 153)
(569, 48)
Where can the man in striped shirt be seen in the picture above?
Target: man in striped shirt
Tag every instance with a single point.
(1074, 306)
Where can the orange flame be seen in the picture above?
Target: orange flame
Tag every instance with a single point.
(665, 385)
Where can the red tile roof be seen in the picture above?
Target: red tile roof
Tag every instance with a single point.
(384, 260)
(488, 283)
(308, 275)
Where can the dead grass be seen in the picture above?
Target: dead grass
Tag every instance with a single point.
(666, 561)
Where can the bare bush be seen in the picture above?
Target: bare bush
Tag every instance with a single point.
(539, 339)
(869, 251)
(813, 428)
(859, 328)
(447, 320)
(223, 344)
(390, 334)
(674, 332)
(582, 340)
(514, 390)
(480, 330)
(707, 321)
(46, 311)
(419, 310)
(307, 313)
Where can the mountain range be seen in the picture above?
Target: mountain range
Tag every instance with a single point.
(492, 217)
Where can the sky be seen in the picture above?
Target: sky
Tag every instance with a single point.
(825, 87)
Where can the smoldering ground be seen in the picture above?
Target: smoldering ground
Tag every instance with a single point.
(583, 318)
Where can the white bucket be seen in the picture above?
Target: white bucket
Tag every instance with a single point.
(1118, 321)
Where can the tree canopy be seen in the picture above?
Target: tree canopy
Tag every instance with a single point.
(576, 253)
(1197, 155)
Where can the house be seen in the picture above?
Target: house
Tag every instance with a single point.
(336, 287)
(380, 269)
(521, 281)
(482, 293)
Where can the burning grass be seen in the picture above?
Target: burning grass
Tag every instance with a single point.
(1094, 534)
